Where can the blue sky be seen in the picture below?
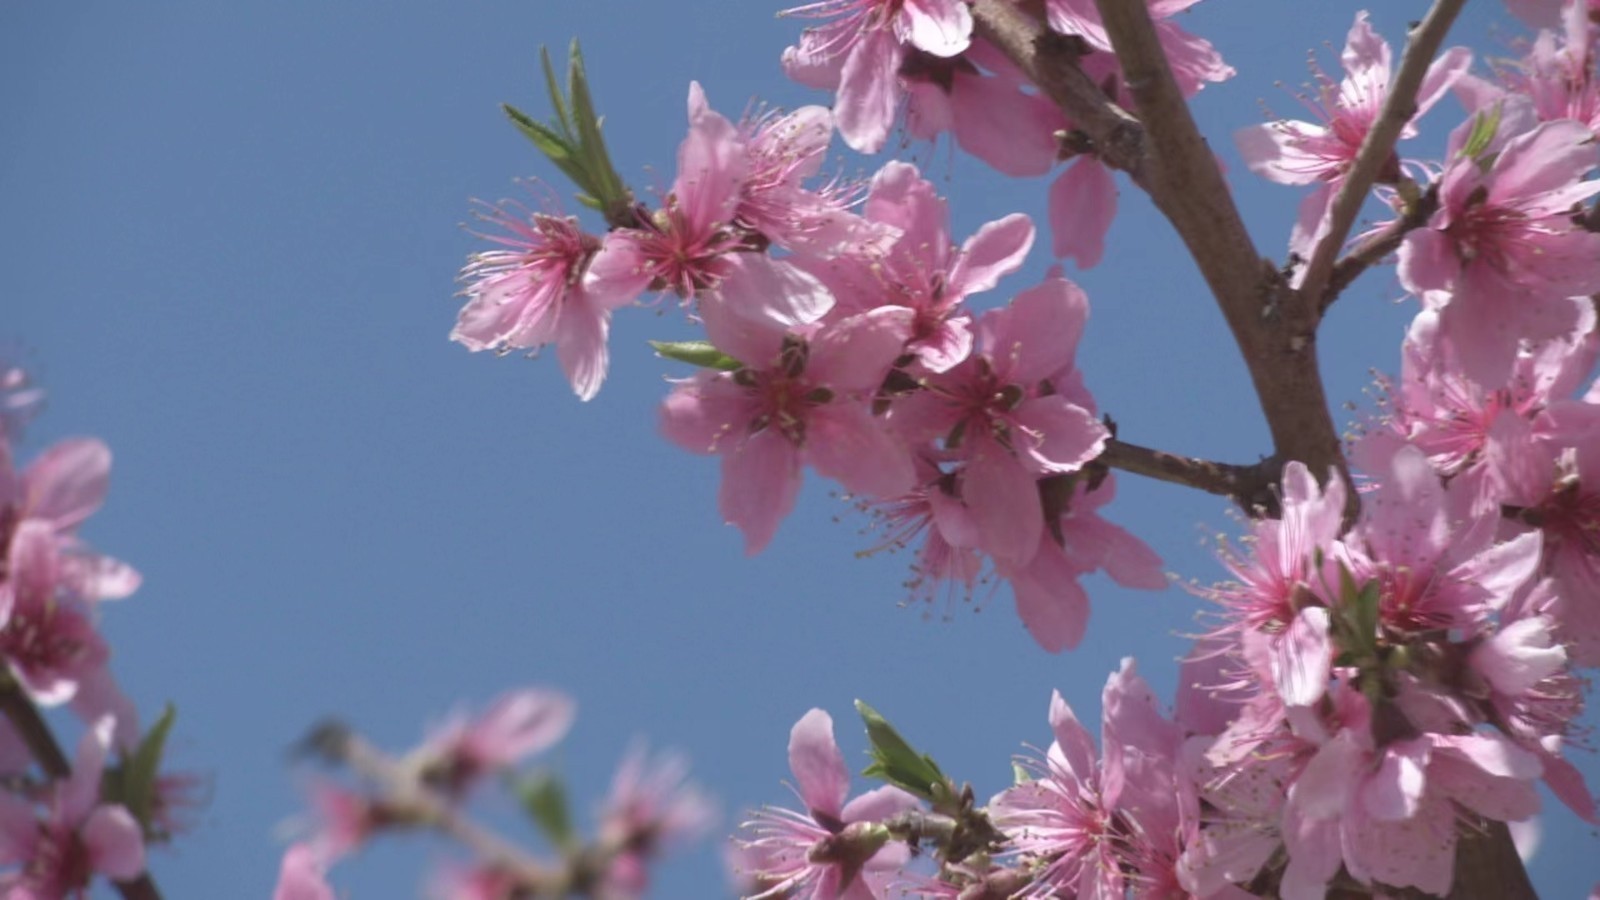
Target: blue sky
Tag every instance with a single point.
(228, 238)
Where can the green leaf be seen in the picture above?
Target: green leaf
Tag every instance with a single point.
(544, 799)
(554, 88)
(697, 353)
(895, 761)
(140, 771)
(1484, 127)
(609, 187)
(590, 202)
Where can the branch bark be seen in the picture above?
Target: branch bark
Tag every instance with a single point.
(1164, 153)
(1398, 109)
(1252, 487)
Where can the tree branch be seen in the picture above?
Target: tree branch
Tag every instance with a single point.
(35, 733)
(404, 792)
(1252, 487)
(1398, 109)
(1376, 246)
(1050, 61)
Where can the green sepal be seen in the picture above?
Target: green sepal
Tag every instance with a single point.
(133, 783)
(544, 799)
(1484, 126)
(697, 353)
(896, 762)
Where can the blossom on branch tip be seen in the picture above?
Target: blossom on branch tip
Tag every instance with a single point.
(834, 850)
(1297, 152)
(76, 838)
(530, 294)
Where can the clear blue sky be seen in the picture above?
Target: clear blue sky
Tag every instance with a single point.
(228, 234)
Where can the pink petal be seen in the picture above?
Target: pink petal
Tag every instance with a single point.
(521, 724)
(1428, 261)
(1052, 434)
(1037, 335)
(114, 841)
(1083, 201)
(617, 273)
(855, 354)
(940, 27)
(712, 165)
(760, 480)
(998, 249)
(878, 804)
(1011, 131)
(1004, 500)
(756, 286)
(1051, 603)
(1075, 742)
(68, 482)
(869, 91)
(744, 334)
(1277, 151)
(817, 764)
(581, 346)
(1302, 657)
(702, 412)
(1394, 792)
(846, 443)
(300, 877)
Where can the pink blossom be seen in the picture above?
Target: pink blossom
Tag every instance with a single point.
(994, 410)
(830, 851)
(517, 725)
(77, 838)
(1096, 828)
(783, 151)
(933, 511)
(990, 115)
(681, 247)
(302, 875)
(1052, 604)
(1556, 75)
(1449, 416)
(920, 268)
(860, 52)
(49, 640)
(1290, 151)
(530, 294)
(1502, 256)
(1549, 478)
(797, 399)
(1388, 813)
(651, 808)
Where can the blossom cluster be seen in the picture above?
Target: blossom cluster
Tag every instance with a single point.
(854, 352)
(1395, 665)
(650, 810)
(64, 825)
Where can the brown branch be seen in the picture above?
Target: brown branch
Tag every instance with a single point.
(1376, 246)
(36, 734)
(1050, 62)
(1398, 109)
(1252, 487)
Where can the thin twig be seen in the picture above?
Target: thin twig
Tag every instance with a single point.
(1250, 486)
(1376, 246)
(1398, 109)
(18, 707)
(405, 792)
